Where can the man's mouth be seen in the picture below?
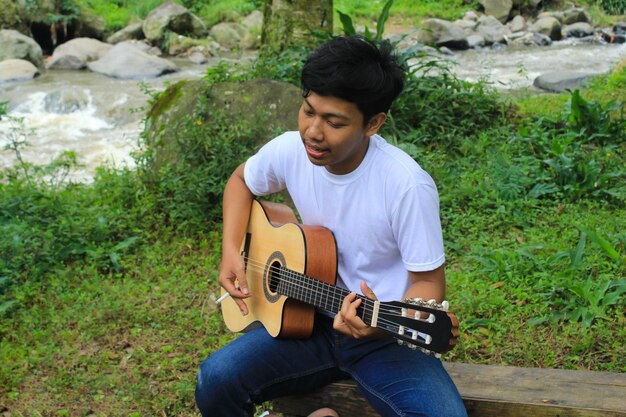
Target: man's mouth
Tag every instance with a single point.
(315, 151)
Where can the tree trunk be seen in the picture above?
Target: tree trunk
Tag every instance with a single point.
(291, 22)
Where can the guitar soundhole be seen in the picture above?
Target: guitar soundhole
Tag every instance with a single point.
(272, 275)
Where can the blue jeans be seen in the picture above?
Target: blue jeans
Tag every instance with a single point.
(254, 368)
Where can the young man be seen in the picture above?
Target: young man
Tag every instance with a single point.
(384, 212)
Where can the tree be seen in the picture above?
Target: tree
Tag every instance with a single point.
(290, 22)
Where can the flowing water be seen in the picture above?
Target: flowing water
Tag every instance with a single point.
(99, 118)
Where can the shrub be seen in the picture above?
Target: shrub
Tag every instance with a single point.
(580, 153)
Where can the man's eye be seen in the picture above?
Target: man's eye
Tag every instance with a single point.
(335, 125)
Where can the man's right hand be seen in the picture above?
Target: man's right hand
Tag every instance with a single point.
(232, 278)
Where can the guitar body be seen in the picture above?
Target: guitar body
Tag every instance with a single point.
(274, 240)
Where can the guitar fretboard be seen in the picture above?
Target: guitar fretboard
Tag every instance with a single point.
(318, 293)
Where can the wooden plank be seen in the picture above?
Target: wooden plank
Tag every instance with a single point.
(594, 393)
(494, 391)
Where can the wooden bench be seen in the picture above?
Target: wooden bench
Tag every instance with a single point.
(493, 391)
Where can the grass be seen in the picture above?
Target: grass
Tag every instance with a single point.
(116, 344)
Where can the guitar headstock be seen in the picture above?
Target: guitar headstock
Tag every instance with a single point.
(419, 324)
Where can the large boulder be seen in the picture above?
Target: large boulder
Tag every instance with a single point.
(66, 101)
(129, 62)
(172, 17)
(500, 9)
(17, 70)
(438, 32)
(561, 81)
(549, 26)
(134, 31)
(76, 53)
(233, 36)
(575, 15)
(492, 30)
(276, 103)
(14, 45)
(254, 22)
(578, 30)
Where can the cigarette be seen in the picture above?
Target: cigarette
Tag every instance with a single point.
(222, 298)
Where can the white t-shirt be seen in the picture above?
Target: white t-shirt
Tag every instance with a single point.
(384, 214)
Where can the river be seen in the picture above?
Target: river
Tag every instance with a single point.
(99, 118)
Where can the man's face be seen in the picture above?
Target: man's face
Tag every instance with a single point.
(333, 133)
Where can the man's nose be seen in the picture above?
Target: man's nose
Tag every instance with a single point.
(314, 130)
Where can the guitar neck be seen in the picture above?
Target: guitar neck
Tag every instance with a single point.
(319, 294)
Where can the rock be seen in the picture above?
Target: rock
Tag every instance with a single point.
(198, 58)
(134, 31)
(179, 44)
(475, 41)
(76, 53)
(500, 9)
(492, 30)
(254, 21)
(89, 25)
(17, 70)
(517, 24)
(578, 30)
(470, 15)
(172, 17)
(140, 46)
(129, 62)
(541, 40)
(233, 36)
(575, 15)
(548, 26)
(561, 81)
(14, 45)
(438, 32)
(66, 101)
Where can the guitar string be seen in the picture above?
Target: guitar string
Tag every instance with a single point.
(313, 284)
(368, 308)
(382, 323)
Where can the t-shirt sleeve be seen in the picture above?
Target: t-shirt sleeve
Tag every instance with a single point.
(417, 227)
(264, 172)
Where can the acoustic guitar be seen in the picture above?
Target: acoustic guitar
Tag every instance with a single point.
(291, 269)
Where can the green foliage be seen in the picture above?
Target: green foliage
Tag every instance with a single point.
(9, 16)
(404, 11)
(614, 7)
(284, 66)
(116, 14)
(436, 108)
(348, 26)
(579, 153)
(217, 11)
(46, 223)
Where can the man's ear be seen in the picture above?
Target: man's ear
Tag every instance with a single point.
(375, 124)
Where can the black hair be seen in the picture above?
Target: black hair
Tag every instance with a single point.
(357, 70)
